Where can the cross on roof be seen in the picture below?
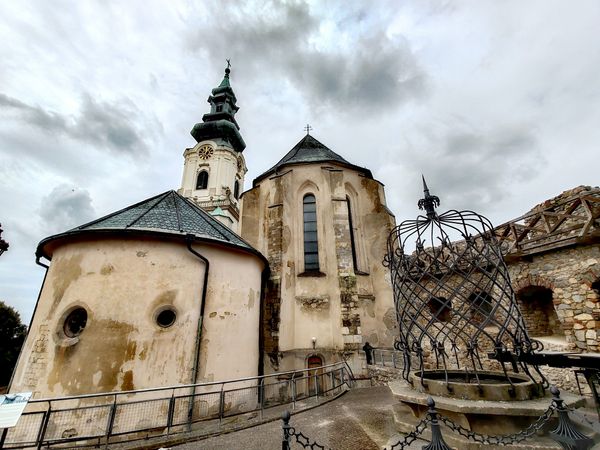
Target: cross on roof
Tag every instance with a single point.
(228, 63)
(307, 128)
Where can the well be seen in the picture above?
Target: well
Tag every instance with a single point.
(461, 333)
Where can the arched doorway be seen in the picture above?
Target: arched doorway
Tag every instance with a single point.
(315, 380)
(538, 311)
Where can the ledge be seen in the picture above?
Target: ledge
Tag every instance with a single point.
(312, 273)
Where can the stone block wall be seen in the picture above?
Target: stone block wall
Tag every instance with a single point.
(569, 273)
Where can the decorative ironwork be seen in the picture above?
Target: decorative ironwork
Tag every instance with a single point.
(453, 296)
(565, 433)
(289, 432)
(3, 244)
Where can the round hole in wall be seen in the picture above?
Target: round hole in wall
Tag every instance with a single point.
(75, 322)
(166, 318)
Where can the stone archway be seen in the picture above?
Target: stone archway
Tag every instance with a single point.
(537, 306)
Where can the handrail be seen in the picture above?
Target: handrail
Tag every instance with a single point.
(179, 386)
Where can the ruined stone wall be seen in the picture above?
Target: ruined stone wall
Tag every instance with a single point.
(569, 274)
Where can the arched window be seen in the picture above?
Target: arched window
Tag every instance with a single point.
(236, 189)
(311, 244)
(352, 238)
(202, 182)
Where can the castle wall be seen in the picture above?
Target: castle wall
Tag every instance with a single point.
(124, 284)
(341, 306)
(568, 273)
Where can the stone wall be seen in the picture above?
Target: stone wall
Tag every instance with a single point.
(568, 273)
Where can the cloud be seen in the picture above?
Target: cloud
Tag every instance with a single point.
(359, 70)
(468, 166)
(115, 126)
(66, 207)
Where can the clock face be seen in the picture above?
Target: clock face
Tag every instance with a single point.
(205, 152)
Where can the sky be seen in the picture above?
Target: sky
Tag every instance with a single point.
(496, 103)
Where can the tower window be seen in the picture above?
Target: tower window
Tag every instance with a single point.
(219, 108)
(352, 239)
(202, 182)
(311, 244)
(236, 189)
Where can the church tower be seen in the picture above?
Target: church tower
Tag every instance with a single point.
(214, 169)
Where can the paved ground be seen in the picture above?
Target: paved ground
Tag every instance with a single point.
(359, 420)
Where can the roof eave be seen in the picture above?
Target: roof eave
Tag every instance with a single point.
(276, 169)
(42, 253)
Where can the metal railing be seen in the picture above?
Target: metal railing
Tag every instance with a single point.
(565, 433)
(387, 358)
(95, 420)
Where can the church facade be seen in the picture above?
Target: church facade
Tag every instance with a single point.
(209, 283)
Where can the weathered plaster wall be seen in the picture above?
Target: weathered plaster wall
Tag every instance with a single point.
(340, 306)
(123, 283)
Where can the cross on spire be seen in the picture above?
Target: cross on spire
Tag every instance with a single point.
(228, 63)
(307, 128)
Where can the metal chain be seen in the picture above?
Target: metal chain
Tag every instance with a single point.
(412, 436)
(505, 439)
(304, 441)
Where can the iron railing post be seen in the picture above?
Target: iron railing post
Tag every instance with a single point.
(171, 412)
(111, 421)
(261, 396)
(221, 404)
(565, 433)
(293, 392)
(44, 425)
(285, 442)
(382, 358)
(437, 440)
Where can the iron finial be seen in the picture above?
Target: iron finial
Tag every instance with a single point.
(307, 128)
(429, 202)
(228, 68)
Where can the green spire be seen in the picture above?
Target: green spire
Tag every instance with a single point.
(225, 82)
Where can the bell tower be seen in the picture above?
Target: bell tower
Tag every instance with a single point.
(214, 168)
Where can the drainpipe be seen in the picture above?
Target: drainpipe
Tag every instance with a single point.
(37, 261)
(189, 240)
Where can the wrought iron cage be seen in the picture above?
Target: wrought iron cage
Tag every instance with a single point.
(453, 297)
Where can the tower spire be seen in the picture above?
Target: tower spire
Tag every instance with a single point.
(220, 121)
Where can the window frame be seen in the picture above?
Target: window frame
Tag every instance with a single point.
(198, 185)
(310, 238)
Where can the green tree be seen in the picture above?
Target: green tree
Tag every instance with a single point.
(12, 336)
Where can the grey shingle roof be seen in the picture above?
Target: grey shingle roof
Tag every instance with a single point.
(167, 213)
(310, 150)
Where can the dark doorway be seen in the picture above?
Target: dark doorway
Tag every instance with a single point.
(538, 311)
(314, 372)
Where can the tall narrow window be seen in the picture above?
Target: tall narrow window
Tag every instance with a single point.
(311, 244)
(352, 239)
(202, 182)
(236, 189)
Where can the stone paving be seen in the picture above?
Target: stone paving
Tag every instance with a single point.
(361, 419)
